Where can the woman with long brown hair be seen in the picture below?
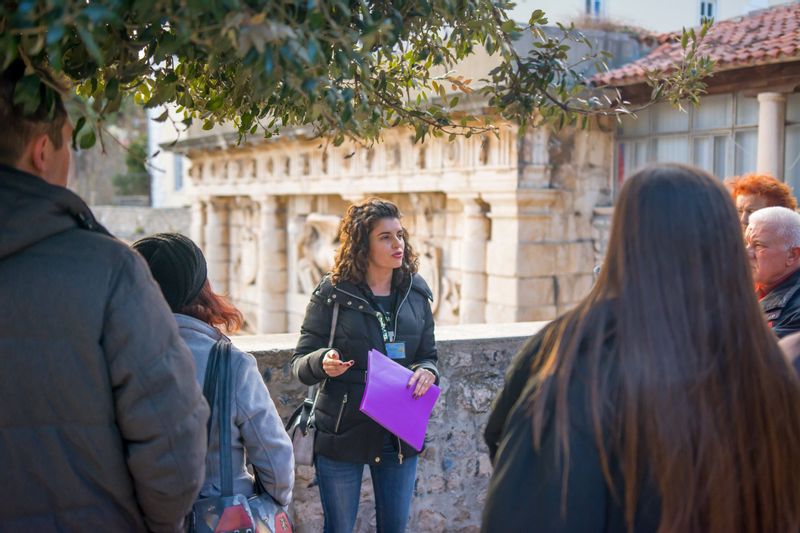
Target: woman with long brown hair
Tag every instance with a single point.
(373, 298)
(662, 401)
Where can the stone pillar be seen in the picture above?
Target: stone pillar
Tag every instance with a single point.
(472, 306)
(771, 120)
(534, 263)
(198, 221)
(272, 277)
(217, 241)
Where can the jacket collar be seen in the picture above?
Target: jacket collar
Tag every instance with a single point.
(351, 295)
(778, 297)
(186, 322)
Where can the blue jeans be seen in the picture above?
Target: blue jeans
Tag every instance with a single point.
(340, 489)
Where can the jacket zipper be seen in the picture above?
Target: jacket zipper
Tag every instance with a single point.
(397, 315)
(341, 412)
(399, 451)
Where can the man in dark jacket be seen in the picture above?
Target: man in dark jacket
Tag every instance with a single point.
(102, 425)
(773, 244)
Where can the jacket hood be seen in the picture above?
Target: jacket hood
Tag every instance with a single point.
(32, 210)
(326, 286)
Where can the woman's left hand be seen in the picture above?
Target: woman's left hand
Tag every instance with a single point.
(422, 381)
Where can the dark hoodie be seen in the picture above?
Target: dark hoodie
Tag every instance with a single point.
(102, 425)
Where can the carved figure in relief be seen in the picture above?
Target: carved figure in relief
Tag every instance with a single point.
(316, 248)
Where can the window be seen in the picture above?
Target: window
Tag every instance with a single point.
(594, 8)
(708, 9)
(177, 162)
(720, 136)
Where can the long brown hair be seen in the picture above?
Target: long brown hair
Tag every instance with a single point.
(687, 385)
(352, 257)
(214, 309)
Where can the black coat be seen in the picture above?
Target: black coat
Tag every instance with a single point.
(343, 432)
(525, 492)
(782, 306)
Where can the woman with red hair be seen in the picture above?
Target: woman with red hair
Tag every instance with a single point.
(257, 434)
(752, 192)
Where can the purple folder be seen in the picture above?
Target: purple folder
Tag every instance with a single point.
(391, 404)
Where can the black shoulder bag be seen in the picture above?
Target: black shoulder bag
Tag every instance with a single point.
(229, 512)
(300, 426)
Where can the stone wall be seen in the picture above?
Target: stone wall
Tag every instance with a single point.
(454, 469)
(131, 223)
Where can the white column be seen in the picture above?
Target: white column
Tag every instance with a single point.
(217, 240)
(771, 120)
(272, 277)
(473, 262)
(198, 221)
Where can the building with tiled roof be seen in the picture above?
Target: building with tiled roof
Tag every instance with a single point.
(749, 120)
(765, 37)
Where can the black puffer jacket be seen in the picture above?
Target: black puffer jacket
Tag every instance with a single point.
(343, 432)
(782, 306)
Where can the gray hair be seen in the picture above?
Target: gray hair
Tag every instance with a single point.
(786, 222)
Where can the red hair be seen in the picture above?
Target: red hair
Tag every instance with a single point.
(777, 193)
(214, 309)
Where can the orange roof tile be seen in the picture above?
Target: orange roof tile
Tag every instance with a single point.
(760, 37)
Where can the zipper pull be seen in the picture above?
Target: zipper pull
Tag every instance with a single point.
(344, 400)
(399, 451)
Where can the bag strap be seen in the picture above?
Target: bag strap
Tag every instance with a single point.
(334, 320)
(210, 385)
(217, 390)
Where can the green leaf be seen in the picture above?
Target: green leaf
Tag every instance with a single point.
(88, 139)
(90, 44)
(112, 88)
(76, 130)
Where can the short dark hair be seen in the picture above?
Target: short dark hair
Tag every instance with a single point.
(48, 118)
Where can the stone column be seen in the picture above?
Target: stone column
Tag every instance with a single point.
(217, 241)
(272, 277)
(529, 251)
(472, 306)
(771, 120)
(198, 221)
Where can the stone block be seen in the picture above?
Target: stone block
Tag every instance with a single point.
(538, 259)
(545, 312)
(575, 258)
(573, 288)
(499, 313)
(521, 291)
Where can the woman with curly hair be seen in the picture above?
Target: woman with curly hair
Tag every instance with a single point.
(752, 192)
(380, 302)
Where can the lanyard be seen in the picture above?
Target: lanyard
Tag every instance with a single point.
(384, 319)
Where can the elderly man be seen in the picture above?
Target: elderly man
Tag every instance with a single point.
(102, 424)
(773, 244)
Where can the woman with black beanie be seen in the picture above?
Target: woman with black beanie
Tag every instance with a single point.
(257, 432)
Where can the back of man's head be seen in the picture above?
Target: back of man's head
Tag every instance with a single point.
(785, 222)
(21, 128)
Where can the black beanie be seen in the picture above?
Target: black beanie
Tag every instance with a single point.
(177, 265)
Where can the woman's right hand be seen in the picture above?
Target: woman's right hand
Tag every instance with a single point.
(333, 365)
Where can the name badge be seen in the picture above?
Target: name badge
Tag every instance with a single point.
(396, 350)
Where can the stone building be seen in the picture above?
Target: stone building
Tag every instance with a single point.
(503, 225)
(509, 227)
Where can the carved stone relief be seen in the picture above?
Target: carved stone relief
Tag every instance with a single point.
(316, 248)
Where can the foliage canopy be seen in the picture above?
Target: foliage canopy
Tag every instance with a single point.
(346, 67)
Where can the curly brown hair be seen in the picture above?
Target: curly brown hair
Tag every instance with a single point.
(777, 193)
(352, 257)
